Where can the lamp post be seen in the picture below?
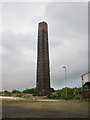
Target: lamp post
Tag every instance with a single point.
(65, 80)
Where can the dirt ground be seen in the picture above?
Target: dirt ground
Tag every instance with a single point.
(17, 108)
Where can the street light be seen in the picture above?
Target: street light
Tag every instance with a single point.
(65, 80)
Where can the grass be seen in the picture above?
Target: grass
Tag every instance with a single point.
(44, 109)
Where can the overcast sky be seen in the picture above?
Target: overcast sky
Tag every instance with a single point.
(68, 42)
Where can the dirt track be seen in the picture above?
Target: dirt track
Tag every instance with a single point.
(13, 108)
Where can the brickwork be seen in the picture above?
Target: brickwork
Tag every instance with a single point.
(43, 71)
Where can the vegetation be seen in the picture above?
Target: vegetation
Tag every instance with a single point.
(72, 93)
(15, 91)
(6, 93)
(30, 91)
(52, 90)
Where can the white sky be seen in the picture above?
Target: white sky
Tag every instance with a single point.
(68, 42)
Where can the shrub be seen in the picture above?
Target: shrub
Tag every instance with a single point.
(72, 93)
(7, 93)
(15, 91)
(52, 89)
(30, 91)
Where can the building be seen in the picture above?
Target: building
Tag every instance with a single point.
(86, 85)
(43, 70)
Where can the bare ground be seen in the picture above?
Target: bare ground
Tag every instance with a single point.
(20, 108)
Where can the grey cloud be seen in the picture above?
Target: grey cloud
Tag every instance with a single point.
(68, 25)
(69, 16)
(18, 40)
(67, 37)
(16, 68)
(67, 21)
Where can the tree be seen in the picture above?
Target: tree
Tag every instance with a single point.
(7, 93)
(30, 91)
(15, 91)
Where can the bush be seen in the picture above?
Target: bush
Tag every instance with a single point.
(78, 97)
(53, 95)
(16, 94)
(52, 90)
(15, 91)
(30, 91)
(7, 93)
(72, 93)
